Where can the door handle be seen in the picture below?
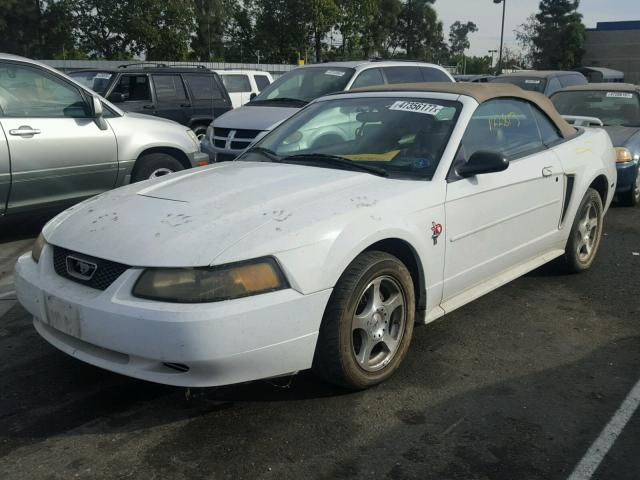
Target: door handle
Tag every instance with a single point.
(148, 107)
(185, 105)
(24, 131)
(547, 171)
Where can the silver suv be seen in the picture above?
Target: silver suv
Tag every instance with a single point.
(61, 143)
(231, 133)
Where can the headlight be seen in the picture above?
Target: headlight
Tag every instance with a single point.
(623, 155)
(194, 137)
(200, 285)
(37, 248)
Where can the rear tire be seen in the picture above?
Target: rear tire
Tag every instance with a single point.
(368, 323)
(153, 165)
(586, 232)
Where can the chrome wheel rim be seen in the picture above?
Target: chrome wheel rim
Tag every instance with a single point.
(378, 323)
(587, 233)
(160, 172)
(201, 135)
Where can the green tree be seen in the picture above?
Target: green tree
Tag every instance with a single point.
(101, 28)
(36, 28)
(459, 36)
(281, 30)
(419, 32)
(240, 36)
(212, 18)
(322, 15)
(162, 30)
(559, 34)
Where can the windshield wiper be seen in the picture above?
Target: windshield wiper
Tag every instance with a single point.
(333, 161)
(281, 99)
(270, 154)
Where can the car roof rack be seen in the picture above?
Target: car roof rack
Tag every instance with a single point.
(142, 64)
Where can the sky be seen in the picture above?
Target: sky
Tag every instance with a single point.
(487, 16)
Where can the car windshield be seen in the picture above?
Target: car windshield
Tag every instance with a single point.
(532, 84)
(305, 84)
(395, 137)
(98, 81)
(613, 108)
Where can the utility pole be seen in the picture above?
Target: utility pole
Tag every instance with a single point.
(492, 52)
(504, 9)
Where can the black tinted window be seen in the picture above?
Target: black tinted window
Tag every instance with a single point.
(434, 75)
(203, 87)
(368, 78)
(573, 79)
(554, 86)
(403, 74)
(262, 82)
(505, 126)
(134, 88)
(548, 130)
(169, 88)
(532, 84)
(236, 83)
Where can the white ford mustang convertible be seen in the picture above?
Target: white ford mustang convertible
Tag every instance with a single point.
(324, 243)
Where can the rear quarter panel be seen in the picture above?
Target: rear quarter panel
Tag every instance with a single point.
(587, 156)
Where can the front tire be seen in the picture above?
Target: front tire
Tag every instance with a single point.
(368, 323)
(153, 165)
(586, 232)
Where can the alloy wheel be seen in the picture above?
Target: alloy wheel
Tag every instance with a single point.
(379, 323)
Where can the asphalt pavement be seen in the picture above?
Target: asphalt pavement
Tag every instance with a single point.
(516, 385)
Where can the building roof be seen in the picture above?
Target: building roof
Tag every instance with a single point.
(616, 26)
(482, 92)
(604, 87)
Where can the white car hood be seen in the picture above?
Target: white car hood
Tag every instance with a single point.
(190, 218)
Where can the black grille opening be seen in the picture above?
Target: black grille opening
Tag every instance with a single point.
(248, 134)
(179, 367)
(105, 274)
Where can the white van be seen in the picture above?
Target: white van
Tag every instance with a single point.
(241, 84)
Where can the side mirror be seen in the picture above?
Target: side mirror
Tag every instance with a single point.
(253, 95)
(96, 107)
(116, 97)
(483, 162)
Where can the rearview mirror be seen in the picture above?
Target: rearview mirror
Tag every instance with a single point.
(116, 97)
(483, 162)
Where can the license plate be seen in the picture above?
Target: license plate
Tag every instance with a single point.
(63, 316)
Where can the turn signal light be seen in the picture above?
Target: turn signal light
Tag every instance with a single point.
(623, 155)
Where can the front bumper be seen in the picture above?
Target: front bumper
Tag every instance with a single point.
(198, 159)
(218, 343)
(216, 154)
(627, 174)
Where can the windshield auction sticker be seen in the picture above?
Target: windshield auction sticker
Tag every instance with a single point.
(535, 82)
(416, 107)
(619, 95)
(335, 73)
(104, 76)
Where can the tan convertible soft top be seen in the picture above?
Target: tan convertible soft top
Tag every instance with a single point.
(482, 92)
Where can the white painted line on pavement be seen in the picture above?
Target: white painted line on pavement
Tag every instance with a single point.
(7, 294)
(594, 456)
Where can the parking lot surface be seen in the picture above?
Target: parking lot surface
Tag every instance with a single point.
(516, 385)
